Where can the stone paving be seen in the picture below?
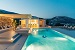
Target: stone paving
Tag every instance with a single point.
(12, 46)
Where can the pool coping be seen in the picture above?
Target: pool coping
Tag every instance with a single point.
(66, 36)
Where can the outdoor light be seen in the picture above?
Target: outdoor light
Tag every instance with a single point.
(12, 39)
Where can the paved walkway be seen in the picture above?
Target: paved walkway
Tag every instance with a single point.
(14, 46)
(66, 31)
(7, 34)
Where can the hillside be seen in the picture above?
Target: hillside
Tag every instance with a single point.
(60, 20)
(35, 17)
(6, 12)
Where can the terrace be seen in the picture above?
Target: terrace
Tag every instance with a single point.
(20, 42)
(14, 38)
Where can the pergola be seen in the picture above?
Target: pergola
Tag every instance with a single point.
(7, 19)
(17, 15)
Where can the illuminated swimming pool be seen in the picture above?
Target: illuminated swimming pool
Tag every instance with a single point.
(48, 39)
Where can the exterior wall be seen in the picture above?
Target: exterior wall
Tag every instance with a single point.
(23, 23)
(33, 23)
(42, 23)
(30, 23)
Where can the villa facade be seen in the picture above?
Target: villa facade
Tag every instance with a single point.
(24, 20)
(32, 23)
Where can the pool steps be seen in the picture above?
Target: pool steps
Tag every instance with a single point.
(11, 40)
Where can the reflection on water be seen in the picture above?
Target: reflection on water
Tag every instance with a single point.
(60, 38)
(53, 41)
(38, 47)
(35, 32)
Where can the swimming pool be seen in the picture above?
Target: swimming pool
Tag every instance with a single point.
(48, 39)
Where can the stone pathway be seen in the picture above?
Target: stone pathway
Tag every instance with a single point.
(14, 46)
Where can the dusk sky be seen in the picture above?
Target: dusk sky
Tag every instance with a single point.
(40, 8)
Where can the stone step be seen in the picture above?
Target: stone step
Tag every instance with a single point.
(11, 40)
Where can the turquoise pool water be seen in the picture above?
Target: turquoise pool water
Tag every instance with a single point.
(48, 39)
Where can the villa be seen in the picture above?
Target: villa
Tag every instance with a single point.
(24, 32)
(37, 24)
(14, 21)
(25, 20)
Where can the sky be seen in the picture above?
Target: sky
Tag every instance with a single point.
(40, 8)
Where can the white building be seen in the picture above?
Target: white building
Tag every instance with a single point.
(27, 21)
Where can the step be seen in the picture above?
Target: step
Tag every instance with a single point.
(5, 37)
(5, 41)
(15, 35)
(16, 38)
(12, 40)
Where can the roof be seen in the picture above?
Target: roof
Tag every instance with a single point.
(17, 15)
